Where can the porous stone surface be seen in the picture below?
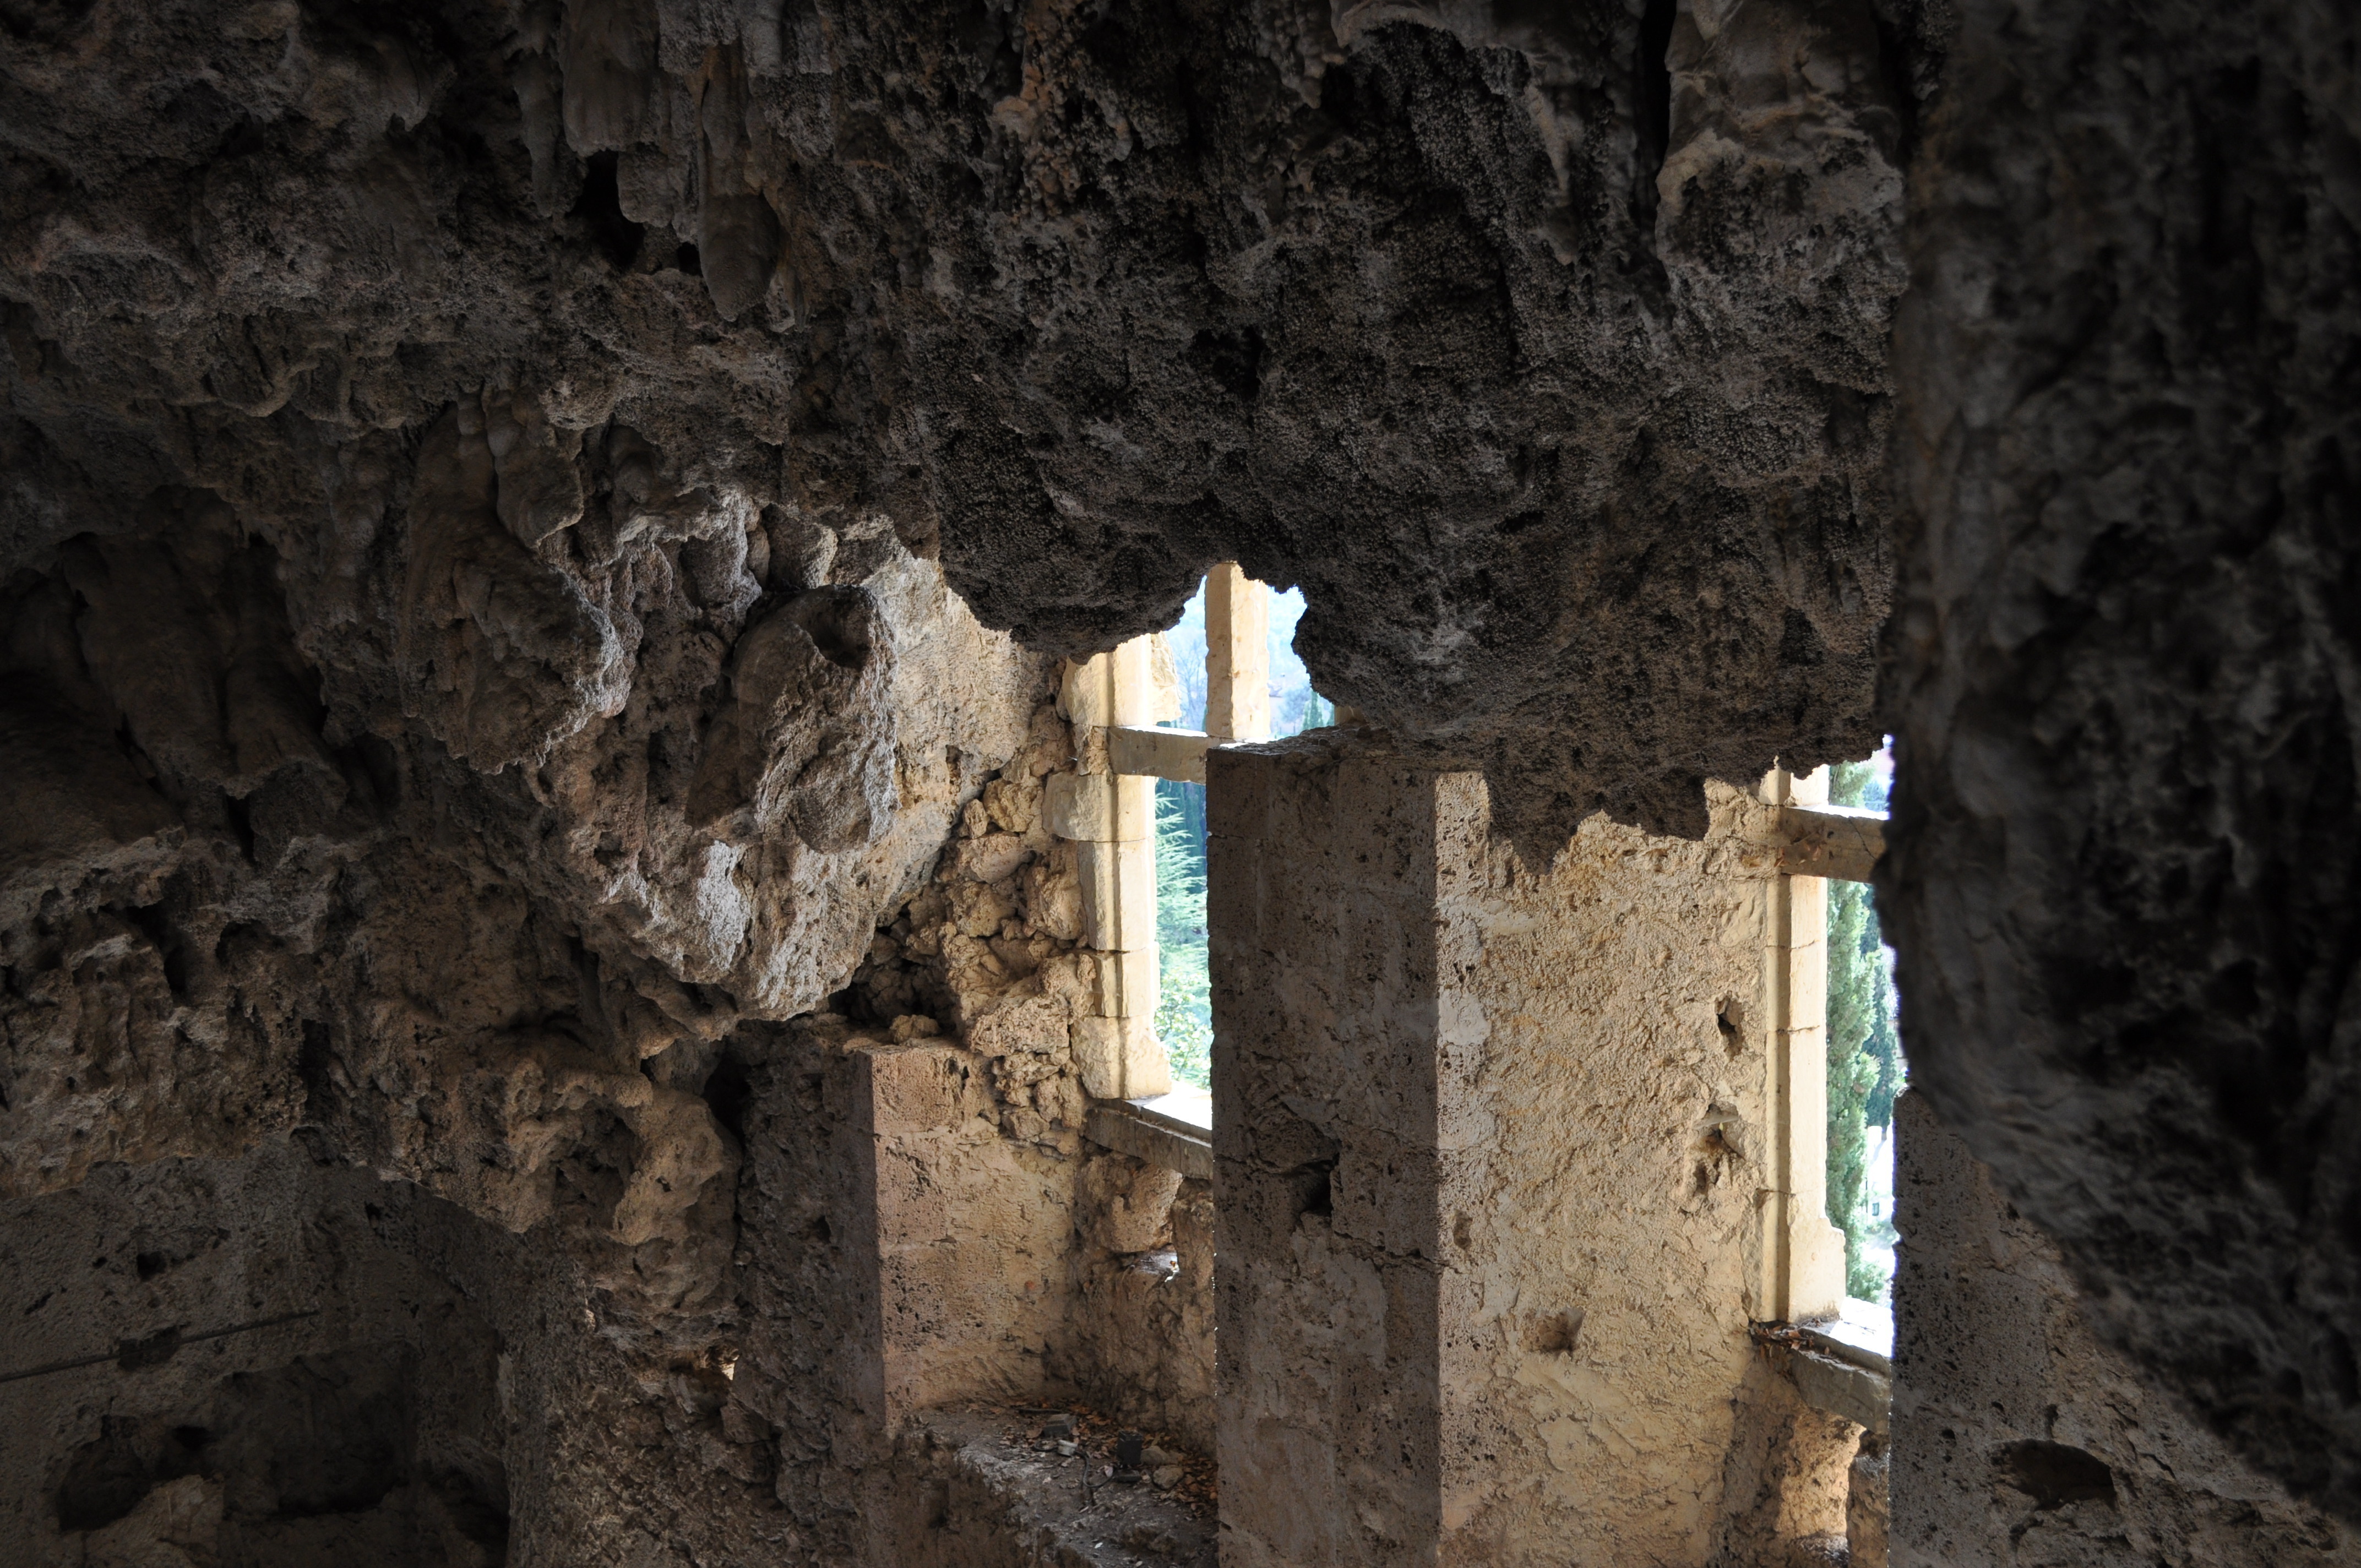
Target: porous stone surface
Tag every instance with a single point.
(485, 495)
(257, 878)
(442, 1397)
(2019, 1437)
(489, 490)
(1546, 353)
(2123, 677)
(1491, 1149)
(1141, 1319)
(987, 1498)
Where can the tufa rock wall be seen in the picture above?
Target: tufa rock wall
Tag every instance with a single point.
(449, 1399)
(2019, 1438)
(1548, 355)
(2122, 675)
(290, 897)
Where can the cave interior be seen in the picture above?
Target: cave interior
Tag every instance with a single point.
(663, 904)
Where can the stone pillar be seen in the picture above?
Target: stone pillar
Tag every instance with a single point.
(1237, 655)
(1489, 1141)
(903, 1254)
(970, 1230)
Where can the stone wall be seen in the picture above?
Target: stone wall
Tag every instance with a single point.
(1492, 1157)
(2018, 1437)
(447, 1399)
(1140, 1338)
(2121, 673)
(481, 483)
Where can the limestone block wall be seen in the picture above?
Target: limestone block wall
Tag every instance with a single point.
(903, 1253)
(1491, 1170)
(2018, 1438)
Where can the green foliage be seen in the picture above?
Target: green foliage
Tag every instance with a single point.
(1184, 1002)
(1865, 1068)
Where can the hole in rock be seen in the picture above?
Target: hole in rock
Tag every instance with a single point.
(837, 620)
(2054, 1474)
(1554, 1334)
(728, 1093)
(600, 208)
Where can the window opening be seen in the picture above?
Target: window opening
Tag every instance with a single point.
(1294, 706)
(1184, 1015)
(1836, 1062)
(1865, 1066)
(1184, 1001)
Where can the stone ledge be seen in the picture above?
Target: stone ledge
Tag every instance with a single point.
(1176, 755)
(1174, 1131)
(1834, 841)
(1861, 1333)
(1841, 1387)
(1002, 1501)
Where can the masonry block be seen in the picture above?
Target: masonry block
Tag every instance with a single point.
(1100, 808)
(963, 1231)
(1126, 984)
(1120, 1059)
(1118, 895)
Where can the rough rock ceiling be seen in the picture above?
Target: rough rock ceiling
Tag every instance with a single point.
(1557, 382)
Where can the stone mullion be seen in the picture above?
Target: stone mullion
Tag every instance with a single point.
(1803, 1254)
(1111, 819)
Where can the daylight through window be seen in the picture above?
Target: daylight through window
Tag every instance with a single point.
(1184, 1018)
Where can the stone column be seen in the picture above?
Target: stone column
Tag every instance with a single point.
(1489, 1141)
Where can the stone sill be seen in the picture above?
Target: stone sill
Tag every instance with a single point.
(1843, 1365)
(1175, 1130)
(989, 1498)
(1862, 1333)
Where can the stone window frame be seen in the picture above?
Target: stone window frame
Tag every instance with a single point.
(1803, 1278)
(1117, 702)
